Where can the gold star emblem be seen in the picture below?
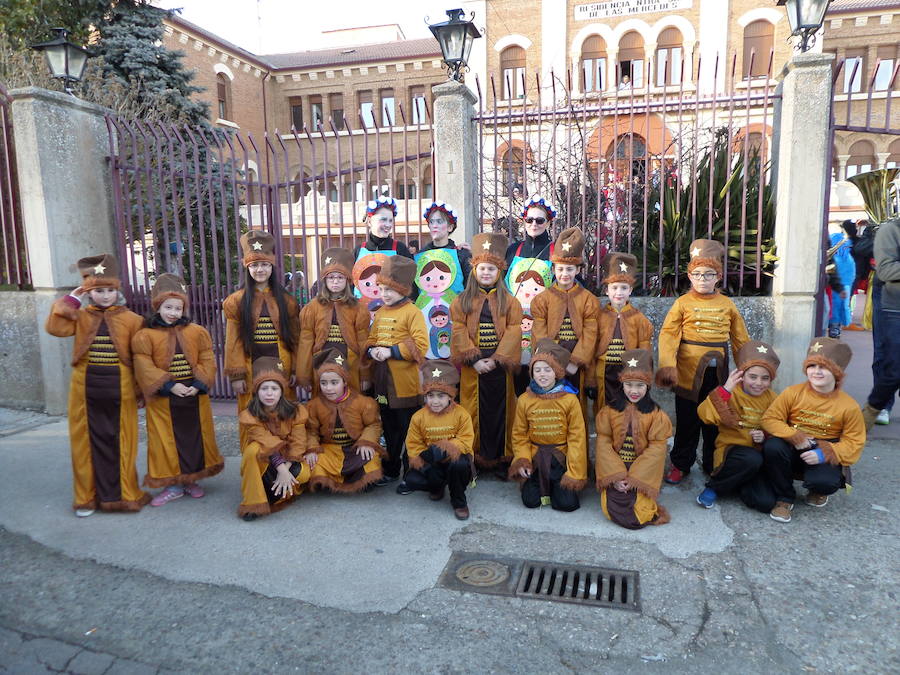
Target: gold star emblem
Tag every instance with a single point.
(99, 269)
(623, 267)
(328, 260)
(695, 251)
(183, 288)
(816, 347)
(257, 246)
(486, 246)
(762, 349)
(436, 372)
(339, 360)
(279, 365)
(632, 363)
(566, 247)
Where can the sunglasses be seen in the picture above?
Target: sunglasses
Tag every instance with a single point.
(539, 221)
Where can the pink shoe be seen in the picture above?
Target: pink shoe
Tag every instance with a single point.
(675, 476)
(169, 494)
(194, 490)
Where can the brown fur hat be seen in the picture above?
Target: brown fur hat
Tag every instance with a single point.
(756, 353)
(99, 271)
(257, 246)
(399, 273)
(637, 364)
(336, 260)
(440, 375)
(331, 361)
(489, 247)
(168, 286)
(553, 354)
(569, 247)
(831, 354)
(269, 368)
(620, 268)
(706, 253)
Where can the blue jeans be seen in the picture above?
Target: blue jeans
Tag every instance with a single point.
(885, 353)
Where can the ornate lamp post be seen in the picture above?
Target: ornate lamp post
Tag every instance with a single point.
(805, 17)
(455, 37)
(66, 59)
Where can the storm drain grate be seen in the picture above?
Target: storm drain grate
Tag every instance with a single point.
(539, 580)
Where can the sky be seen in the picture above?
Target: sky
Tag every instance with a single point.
(275, 26)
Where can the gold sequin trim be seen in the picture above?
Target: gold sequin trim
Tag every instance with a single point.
(566, 332)
(180, 369)
(614, 351)
(487, 336)
(627, 453)
(341, 437)
(102, 352)
(265, 331)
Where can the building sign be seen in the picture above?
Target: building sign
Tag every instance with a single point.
(614, 9)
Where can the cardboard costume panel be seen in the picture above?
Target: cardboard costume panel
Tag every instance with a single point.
(439, 278)
(526, 279)
(365, 270)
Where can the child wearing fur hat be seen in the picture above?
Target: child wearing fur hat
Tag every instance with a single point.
(631, 448)
(549, 435)
(275, 462)
(103, 396)
(175, 366)
(817, 431)
(567, 312)
(261, 319)
(693, 354)
(486, 345)
(396, 346)
(620, 327)
(439, 441)
(736, 408)
(343, 429)
(442, 221)
(335, 319)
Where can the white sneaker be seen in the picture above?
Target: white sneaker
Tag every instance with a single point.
(884, 417)
(84, 513)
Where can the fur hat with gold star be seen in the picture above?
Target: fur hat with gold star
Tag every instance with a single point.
(489, 247)
(637, 364)
(399, 273)
(267, 368)
(258, 246)
(621, 268)
(440, 375)
(569, 247)
(331, 361)
(706, 253)
(99, 271)
(555, 355)
(831, 354)
(168, 286)
(336, 260)
(756, 353)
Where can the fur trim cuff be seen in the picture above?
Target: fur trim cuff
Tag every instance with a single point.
(465, 358)
(451, 449)
(643, 488)
(728, 417)
(662, 516)
(606, 481)
(416, 462)
(828, 451)
(184, 478)
(666, 377)
(520, 463)
(569, 483)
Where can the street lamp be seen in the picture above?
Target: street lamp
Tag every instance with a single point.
(455, 37)
(66, 60)
(805, 17)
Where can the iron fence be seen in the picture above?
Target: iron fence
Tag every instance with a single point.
(184, 195)
(644, 170)
(14, 267)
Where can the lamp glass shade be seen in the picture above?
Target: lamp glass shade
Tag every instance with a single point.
(77, 61)
(805, 14)
(452, 37)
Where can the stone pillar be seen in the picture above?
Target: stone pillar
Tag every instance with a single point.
(803, 177)
(67, 207)
(456, 155)
(842, 167)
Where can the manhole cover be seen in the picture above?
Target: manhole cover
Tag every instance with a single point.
(538, 580)
(482, 573)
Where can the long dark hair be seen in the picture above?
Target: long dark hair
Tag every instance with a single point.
(472, 289)
(284, 409)
(286, 331)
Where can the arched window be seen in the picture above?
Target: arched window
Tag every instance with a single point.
(405, 187)
(427, 183)
(669, 57)
(628, 155)
(593, 64)
(223, 94)
(759, 39)
(862, 158)
(512, 166)
(893, 159)
(631, 60)
(512, 69)
(300, 187)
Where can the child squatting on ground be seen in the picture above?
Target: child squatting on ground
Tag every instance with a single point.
(439, 442)
(693, 354)
(343, 430)
(103, 397)
(549, 434)
(736, 409)
(817, 432)
(274, 465)
(632, 432)
(175, 366)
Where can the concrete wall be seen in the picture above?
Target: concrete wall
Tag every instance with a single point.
(21, 384)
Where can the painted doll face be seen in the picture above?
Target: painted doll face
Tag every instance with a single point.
(437, 401)
(104, 297)
(335, 282)
(527, 323)
(527, 291)
(704, 279)
(756, 380)
(443, 338)
(332, 385)
(269, 393)
(260, 271)
(439, 226)
(389, 295)
(440, 320)
(381, 223)
(543, 374)
(486, 274)
(369, 288)
(171, 310)
(565, 275)
(634, 390)
(618, 293)
(539, 221)
(435, 280)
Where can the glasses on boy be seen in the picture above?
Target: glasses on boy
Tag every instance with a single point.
(705, 276)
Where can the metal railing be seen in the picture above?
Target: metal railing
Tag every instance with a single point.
(14, 267)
